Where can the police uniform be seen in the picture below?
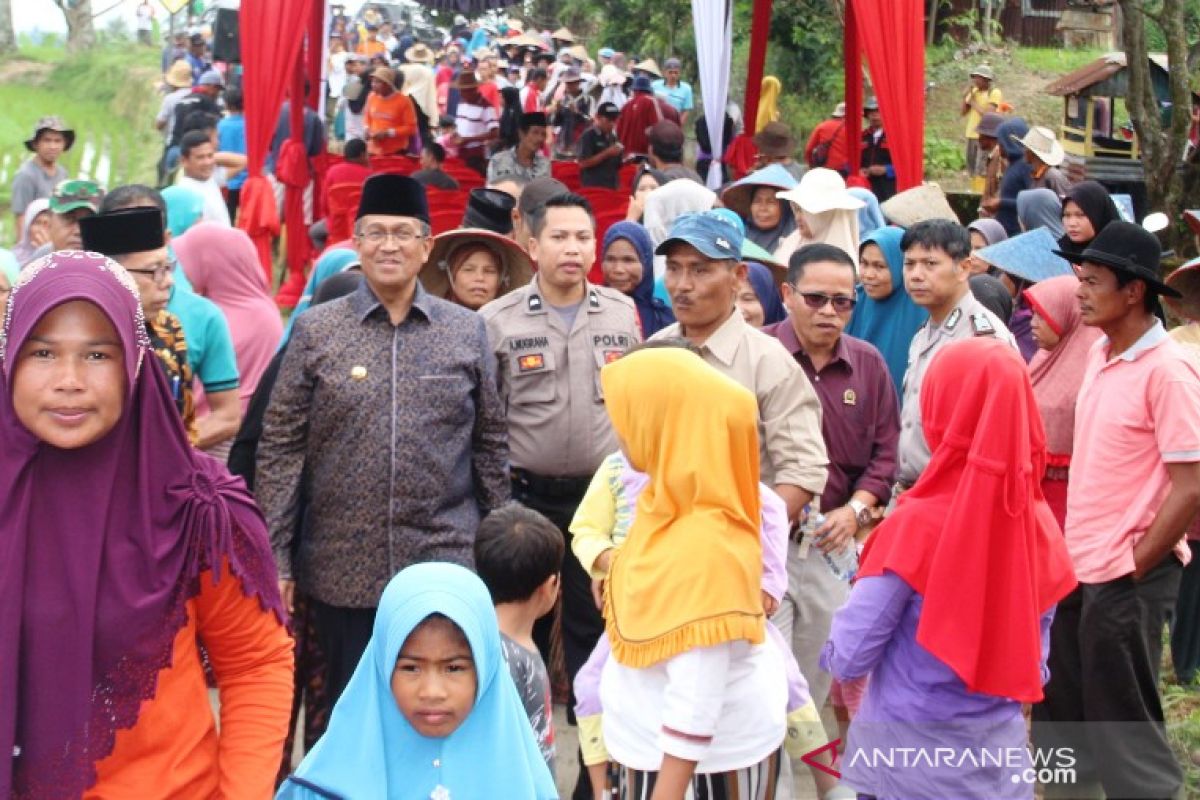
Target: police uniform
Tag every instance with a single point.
(968, 319)
(558, 428)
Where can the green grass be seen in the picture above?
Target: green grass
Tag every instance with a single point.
(108, 96)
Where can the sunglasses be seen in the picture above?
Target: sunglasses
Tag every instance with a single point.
(817, 300)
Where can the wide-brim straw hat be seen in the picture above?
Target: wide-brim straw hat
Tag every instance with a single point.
(1042, 142)
(526, 40)
(516, 267)
(579, 53)
(649, 65)
(419, 53)
(179, 75)
(385, 74)
(1186, 281)
(739, 195)
(822, 190)
(563, 35)
(983, 71)
(918, 204)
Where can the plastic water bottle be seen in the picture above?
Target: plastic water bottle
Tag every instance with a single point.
(842, 563)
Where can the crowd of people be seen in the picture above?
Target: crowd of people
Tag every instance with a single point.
(798, 446)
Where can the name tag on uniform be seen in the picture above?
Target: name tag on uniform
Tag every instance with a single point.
(531, 362)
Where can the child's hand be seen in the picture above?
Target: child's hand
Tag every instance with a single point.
(598, 593)
(770, 604)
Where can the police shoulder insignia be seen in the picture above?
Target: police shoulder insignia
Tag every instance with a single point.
(982, 326)
(952, 320)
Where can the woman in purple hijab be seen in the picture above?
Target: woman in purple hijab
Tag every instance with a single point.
(121, 550)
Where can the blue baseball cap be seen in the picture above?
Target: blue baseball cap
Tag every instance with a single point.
(606, 52)
(707, 231)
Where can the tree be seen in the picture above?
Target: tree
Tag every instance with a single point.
(81, 30)
(1162, 134)
(8, 42)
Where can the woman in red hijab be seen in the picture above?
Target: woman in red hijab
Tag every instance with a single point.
(951, 612)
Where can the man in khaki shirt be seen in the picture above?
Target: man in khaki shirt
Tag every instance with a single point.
(550, 340)
(704, 270)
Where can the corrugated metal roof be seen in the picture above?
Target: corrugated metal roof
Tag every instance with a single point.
(1101, 69)
(1087, 75)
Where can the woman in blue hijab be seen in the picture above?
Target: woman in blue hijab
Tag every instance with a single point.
(432, 616)
(184, 209)
(630, 270)
(870, 216)
(885, 315)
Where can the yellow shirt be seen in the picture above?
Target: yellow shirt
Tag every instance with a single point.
(984, 98)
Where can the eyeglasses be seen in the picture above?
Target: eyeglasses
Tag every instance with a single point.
(817, 300)
(378, 236)
(159, 274)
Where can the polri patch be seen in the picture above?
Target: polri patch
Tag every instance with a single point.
(531, 362)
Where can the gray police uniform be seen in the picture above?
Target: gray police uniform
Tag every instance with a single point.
(558, 428)
(549, 377)
(968, 319)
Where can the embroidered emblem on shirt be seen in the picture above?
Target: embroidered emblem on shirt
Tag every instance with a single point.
(953, 319)
(531, 362)
(358, 373)
(849, 397)
(982, 326)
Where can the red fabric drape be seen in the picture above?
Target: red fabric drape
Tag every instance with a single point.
(852, 59)
(892, 37)
(271, 35)
(741, 152)
(760, 27)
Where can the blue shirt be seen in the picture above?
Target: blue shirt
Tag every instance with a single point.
(209, 345)
(680, 97)
(231, 138)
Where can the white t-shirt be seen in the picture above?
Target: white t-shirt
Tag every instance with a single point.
(734, 692)
(215, 209)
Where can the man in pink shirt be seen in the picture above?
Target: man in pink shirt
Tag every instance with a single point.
(1133, 493)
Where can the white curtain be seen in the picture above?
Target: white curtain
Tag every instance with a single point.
(714, 44)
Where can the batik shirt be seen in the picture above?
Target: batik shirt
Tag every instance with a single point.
(169, 344)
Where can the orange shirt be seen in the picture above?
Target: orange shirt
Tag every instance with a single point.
(394, 112)
(370, 49)
(174, 750)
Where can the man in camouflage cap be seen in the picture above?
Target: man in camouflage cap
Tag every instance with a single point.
(70, 202)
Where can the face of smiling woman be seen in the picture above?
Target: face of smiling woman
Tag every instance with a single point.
(69, 379)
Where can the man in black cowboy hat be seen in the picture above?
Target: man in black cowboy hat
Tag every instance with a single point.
(524, 161)
(386, 417)
(1134, 491)
(38, 176)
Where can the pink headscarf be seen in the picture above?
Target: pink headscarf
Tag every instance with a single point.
(222, 265)
(1057, 374)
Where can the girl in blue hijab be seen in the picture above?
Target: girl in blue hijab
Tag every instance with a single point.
(431, 712)
(331, 263)
(619, 271)
(184, 209)
(885, 315)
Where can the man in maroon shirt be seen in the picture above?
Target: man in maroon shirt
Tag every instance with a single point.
(860, 423)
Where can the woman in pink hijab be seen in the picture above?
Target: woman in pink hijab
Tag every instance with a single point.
(222, 265)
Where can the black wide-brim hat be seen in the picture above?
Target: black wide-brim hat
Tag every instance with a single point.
(490, 209)
(129, 230)
(1129, 249)
(393, 196)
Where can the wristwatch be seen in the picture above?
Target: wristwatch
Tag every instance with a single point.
(862, 512)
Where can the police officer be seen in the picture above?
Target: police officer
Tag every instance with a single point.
(935, 274)
(550, 340)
